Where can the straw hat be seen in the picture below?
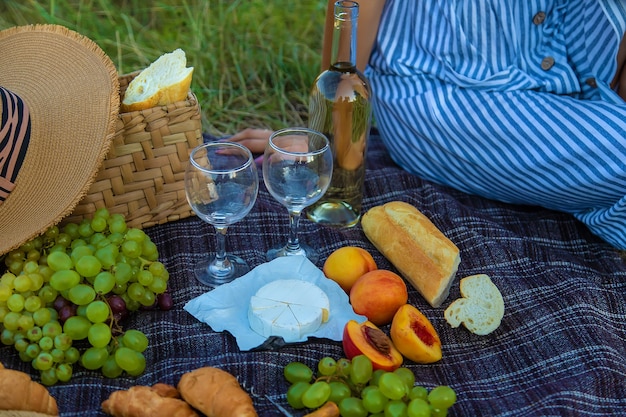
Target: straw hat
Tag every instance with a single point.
(70, 91)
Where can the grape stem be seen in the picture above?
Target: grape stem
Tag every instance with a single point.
(354, 388)
(145, 262)
(115, 327)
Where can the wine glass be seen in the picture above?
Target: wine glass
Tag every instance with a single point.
(297, 167)
(221, 183)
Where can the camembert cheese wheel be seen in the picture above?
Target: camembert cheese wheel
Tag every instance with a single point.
(289, 308)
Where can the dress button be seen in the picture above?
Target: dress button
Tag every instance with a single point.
(539, 18)
(591, 82)
(547, 63)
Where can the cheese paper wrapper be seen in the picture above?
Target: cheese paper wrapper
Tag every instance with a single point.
(225, 308)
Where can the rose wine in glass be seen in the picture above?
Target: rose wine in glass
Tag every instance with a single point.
(297, 167)
(221, 183)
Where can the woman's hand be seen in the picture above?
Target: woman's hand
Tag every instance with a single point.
(253, 139)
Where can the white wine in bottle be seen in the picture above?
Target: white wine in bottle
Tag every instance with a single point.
(340, 108)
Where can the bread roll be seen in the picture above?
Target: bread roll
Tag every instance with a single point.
(422, 254)
(481, 309)
(165, 81)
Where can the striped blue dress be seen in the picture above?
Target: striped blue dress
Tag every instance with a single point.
(508, 99)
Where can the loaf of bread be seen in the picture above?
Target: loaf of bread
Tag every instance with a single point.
(21, 396)
(422, 254)
(481, 307)
(166, 80)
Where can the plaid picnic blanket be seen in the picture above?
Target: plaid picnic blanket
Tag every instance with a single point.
(560, 350)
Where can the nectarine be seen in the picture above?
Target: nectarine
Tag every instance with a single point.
(347, 264)
(367, 339)
(377, 295)
(414, 335)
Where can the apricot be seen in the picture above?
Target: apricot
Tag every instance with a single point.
(414, 335)
(347, 264)
(367, 339)
(377, 295)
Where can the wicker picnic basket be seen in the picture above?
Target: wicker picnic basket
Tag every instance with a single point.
(142, 176)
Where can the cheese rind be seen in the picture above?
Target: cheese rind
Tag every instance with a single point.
(288, 308)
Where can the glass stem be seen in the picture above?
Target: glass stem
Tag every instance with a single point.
(221, 262)
(293, 243)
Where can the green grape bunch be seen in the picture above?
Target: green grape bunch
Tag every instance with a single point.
(360, 391)
(64, 294)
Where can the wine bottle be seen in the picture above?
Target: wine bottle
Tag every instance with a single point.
(340, 108)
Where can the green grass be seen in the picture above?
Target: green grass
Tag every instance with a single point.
(254, 61)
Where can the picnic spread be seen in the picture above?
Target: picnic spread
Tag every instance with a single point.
(559, 348)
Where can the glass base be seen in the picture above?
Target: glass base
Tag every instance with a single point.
(305, 250)
(209, 273)
(334, 213)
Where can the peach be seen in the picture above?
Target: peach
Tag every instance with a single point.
(367, 339)
(346, 264)
(377, 295)
(414, 335)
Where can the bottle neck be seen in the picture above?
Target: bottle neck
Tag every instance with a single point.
(343, 52)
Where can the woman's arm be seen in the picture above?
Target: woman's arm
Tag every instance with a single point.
(369, 18)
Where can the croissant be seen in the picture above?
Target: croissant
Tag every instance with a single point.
(19, 393)
(215, 393)
(166, 390)
(144, 401)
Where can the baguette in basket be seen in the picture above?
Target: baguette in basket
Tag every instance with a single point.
(166, 80)
(423, 255)
(142, 176)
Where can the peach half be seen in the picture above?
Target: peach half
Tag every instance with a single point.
(377, 295)
(414, 335)
(367, 339)
(347, 264)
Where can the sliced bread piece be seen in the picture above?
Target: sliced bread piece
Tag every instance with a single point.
(166, 80)
(482, 307)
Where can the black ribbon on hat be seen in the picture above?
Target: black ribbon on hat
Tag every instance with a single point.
(14, 139)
